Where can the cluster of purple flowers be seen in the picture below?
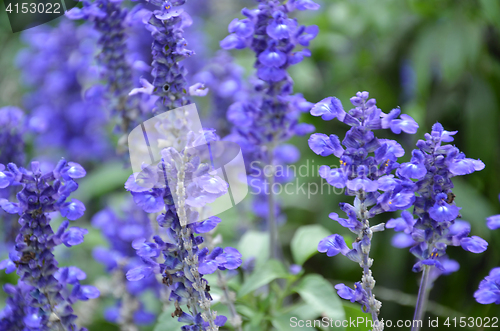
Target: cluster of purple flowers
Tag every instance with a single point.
(63, 113)
(119, 258)
(169, 85)
(111, 20)
(178, 186)
(270, 114)
(433, 165)
(365, 170)
(44, 295)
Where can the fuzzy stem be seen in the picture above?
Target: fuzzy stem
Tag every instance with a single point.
(235, 317)
(367, 280)
(191, 260)
(423, 295)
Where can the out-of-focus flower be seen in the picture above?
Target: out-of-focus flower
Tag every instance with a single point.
(64, 113)
(489, 288)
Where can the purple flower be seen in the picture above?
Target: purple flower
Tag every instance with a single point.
(357, 295)
(306, 5)
(72, 210)
(441, 211)
(74, 236)
(402, 240)
(351, 222)
(459, 167)
(39, 195)
(433, 164)
(334, 177)
(474, 244)
(366, 166)
(403, 223)
(493, 222)
(323, 145)
(207, 225)
(232, 258)
(332, 245)
(414, 169)
(329, 109)
(139, 273)
(295, 269)
(406, 124)
(489, 288)
(150, 201)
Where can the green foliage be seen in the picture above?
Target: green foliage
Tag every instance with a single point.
(305, 242)
(317, 292)
(270, 271)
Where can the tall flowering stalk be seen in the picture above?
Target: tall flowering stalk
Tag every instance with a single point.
(48, 305)
(270, 115)
(64, 112)
(365, 169)
(433, 165)
(179, 186)
(111, 20)
(169, 84)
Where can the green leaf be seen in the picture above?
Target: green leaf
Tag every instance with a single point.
(102, 180)
(254, 244)
(304, 311)
(167, 322)
(352, 312)
(320, 294)
(305, 242)
(270, 271)
(290, 321)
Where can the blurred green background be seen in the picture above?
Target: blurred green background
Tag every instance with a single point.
(439, 60)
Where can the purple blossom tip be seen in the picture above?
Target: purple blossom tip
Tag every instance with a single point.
(493, 222)
(489, 288)
(474, 244)
(73, 210)
(232, 41)
(207, 225)
(306, 5)
(329, 109)
(323, 145)
(74, 236)
(332, 245)
(138, 273)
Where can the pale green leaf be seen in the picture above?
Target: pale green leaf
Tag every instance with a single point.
(263, 275)
(319, 293)
(305, 242)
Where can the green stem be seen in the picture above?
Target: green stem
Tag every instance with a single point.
(423, 295)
